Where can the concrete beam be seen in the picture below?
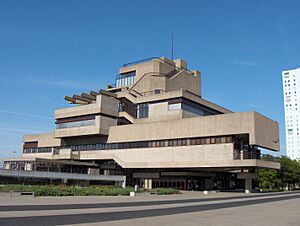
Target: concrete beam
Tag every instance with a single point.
(93, 93)
(88, 101)
(104, 92)
(88, 96)
(247, 176)
(72, 100)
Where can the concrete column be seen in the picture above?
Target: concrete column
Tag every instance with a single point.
(150, 184)
(242, 150)
(248, 185)
(123, 184)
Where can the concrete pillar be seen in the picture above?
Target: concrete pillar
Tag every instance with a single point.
(123, 184)
(248, 185)
(150, 184)
(242, 150)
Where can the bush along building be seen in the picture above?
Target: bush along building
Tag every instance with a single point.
(152, 128)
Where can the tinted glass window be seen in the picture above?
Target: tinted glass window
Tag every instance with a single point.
(143, 110)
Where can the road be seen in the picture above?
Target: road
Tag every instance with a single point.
(190, 208)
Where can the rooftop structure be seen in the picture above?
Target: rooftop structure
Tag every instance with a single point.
(154, 127)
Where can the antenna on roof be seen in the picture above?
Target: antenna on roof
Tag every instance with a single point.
(172, 47)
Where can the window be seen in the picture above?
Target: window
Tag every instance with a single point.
(212, 140)
(193, 141)
(125, 79)
(162, 143)
(157, 91)
(76, 124)
(142, 110)
(173, 143)
(198, 110)
(173, 107)
(218, 140)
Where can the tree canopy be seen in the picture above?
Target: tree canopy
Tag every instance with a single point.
(287, 177)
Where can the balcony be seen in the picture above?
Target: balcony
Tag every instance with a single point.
(90, 119)
(98, 126)
(76, 124)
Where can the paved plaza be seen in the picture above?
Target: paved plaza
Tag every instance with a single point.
(189, 208)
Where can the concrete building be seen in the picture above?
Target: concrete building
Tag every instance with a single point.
(291, 91)
(154, 127)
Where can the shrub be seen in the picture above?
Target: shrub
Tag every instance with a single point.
(61, 190)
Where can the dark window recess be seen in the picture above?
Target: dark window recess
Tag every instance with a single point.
(75, 119)
(123, 121)
(194, 107)
(37, 150)
(33, 144)
(142, 144)
(128, 74)
(159, 143)
(127, 106)
(142, 110)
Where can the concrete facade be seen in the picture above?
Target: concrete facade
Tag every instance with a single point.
(154, 127)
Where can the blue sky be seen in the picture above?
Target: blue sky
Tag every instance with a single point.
(49, 49)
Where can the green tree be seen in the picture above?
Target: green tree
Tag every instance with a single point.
(268, 179)
(289, 172)
(287, 177)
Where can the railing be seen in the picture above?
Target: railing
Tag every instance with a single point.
(247, 153)
(125, 105)
(139, 61)
(156, 91)
(154, 58)
(144, 75)
(170, 74)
